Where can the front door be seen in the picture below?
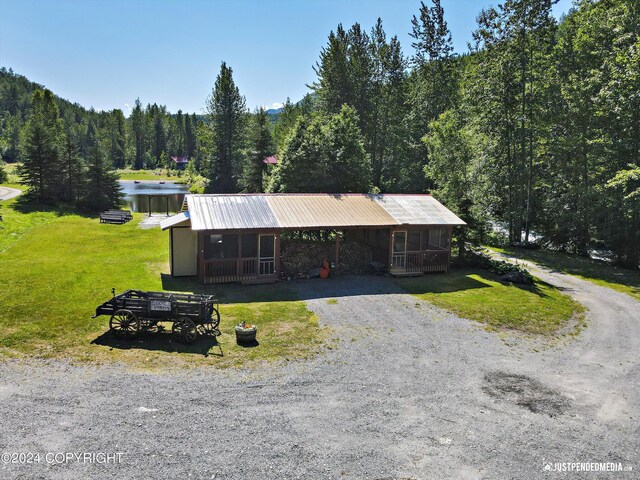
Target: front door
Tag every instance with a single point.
(267, 254)
(398, 259)
(184, 252)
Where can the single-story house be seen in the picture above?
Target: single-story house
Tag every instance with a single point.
(236, 237)
(180, 162)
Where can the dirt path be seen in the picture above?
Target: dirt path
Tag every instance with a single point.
(407, 391)
(7, 193)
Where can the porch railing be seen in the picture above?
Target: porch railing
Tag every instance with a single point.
(435, 260)
(224, 270)
(420, 261)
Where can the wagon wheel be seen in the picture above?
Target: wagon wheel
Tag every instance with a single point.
(185, 330)
(124, 324)
(212, 316)
(208, 329)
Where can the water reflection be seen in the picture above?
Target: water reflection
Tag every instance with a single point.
(153, 196)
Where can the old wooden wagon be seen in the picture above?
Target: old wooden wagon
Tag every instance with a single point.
(134, 311)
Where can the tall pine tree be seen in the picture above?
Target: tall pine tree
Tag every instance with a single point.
(227, 111)
(261, 147)
(102, 189)
(41, 147)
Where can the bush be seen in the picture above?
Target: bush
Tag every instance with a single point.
(477, 257)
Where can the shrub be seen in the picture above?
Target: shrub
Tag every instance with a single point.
(478, 257)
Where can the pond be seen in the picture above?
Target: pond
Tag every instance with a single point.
(140, 196)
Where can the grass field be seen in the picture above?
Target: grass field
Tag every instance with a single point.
(159, 174)
(595, 271)
(57, 268)
(479, 295)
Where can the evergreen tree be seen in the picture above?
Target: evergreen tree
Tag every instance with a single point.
(11, 135)
(432, 88)
(333, 87)
(261, 147)
(348, 169)
(138, 128)
(324, 155)
(117, 138)
(73, 167)
(287, 119)
(41, 149)
(158, 134)
(189, 136)
(387, 130)
(226, 109)
(102, 189)
(178, 136)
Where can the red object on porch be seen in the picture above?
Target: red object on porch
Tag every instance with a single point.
(324, 269)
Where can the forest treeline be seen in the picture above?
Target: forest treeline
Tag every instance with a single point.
(536, 128)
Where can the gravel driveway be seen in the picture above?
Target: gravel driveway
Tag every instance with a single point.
(7, 193)
(409, 391)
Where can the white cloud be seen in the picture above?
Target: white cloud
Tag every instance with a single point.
(127, 107)
(277, 105)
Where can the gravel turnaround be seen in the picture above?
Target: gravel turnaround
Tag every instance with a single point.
(406, 391)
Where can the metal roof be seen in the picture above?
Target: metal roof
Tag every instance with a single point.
(309, 211)
(182, 217)
(417, 210)
(312, 211)
(230, 212)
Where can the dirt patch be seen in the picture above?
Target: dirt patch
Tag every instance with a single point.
(525, 392)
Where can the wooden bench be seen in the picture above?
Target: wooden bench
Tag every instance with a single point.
(106, 217)
(125, 213)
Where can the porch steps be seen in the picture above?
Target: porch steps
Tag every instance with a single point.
(402, 273)
(259, 281)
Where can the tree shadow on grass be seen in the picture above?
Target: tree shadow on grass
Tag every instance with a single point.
(346, 286)
(25, 205)
(454, 281)
(458, 280)
(559, 262)
(204, 345)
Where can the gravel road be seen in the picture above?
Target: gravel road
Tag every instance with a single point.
(7, 193)
(409, 391)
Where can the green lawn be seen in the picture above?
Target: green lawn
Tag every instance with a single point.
(595, 271)
(123, 174)
(479, 295)
(159, 174)
(57, 268)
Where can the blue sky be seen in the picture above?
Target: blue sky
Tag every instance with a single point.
(107, 53)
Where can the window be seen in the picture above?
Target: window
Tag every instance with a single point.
(267, 246)
(249, 245)
(399, 239)
(221, 246)
(435, 239)
(413, 240)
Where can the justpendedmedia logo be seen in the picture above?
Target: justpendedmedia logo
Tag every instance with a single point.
(549, 466)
